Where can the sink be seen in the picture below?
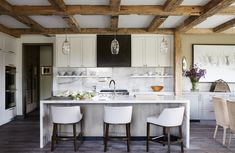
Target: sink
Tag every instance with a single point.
(117, 91)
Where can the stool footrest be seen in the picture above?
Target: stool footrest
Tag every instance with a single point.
(164, 140)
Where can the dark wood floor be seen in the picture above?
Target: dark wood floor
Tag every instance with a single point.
(22, 136)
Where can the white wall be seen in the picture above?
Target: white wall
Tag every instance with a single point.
(26, 39)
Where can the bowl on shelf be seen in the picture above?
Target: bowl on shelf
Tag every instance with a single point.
(157, 88)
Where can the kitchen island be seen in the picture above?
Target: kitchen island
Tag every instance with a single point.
(143, 106)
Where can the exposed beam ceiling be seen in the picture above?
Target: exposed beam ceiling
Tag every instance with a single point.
(114, 23)
(210, 9)
(169, 5)
(209, 31)
(225, 26)
(115, 7)
(4, 5)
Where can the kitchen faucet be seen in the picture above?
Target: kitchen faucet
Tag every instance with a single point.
(114, 83)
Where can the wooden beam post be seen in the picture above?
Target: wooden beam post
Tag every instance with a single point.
(8, 31)
(210, 9)
(72, 22)
(58, 4)
(115, 7)
(178, 64)
(225, 26)
(171, 4)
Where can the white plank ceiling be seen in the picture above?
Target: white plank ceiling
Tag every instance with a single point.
(102, 21)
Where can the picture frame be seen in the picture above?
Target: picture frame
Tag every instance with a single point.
(46, 70)
(217, 59)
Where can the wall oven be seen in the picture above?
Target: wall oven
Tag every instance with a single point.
(10, 87)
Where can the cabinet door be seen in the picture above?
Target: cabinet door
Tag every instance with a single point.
(76, 52)
(137, 52)
(10, 44)
(89, 51)
(10, 59)
(150, 51)
(1, 42)
(62, 60)
(164, 59)
(194, 106)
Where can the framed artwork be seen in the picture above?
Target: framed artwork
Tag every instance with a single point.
(46, 70)
(218, 60)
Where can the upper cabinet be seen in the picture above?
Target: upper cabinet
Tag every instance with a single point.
(146, 51)
(82, 51)
(2, 42)
(7, 43)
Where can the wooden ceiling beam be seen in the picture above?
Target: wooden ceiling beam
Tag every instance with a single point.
(114, 23)
(58, 4)
(93, 30)
(5, 6)
(105, 10)
(225, 26)
(115, 5)
(171, 4)
(72, 22)
(210, 9)
(9, 31)
(227, 11)
(209, 31)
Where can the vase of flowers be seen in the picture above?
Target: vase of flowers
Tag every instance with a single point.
(194, 74)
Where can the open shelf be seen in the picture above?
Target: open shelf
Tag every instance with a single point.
(74, 76)
(152, 76)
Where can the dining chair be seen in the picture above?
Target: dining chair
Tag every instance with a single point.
(231, 114)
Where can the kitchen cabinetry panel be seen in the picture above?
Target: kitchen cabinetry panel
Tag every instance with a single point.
(10, 59)
(146, 51)
(194, 106)
(82, 52)
(165, 58)
(10, 44)
(2, 43)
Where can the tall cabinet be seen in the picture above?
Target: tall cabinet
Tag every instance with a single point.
(7, 58)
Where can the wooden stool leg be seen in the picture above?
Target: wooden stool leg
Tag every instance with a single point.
(169, 139)
(106, 136)
(53, 137)
(164, 133)
(128, 136)
(56, 129)
(181, 137)
(81, 133)
(75, 137)
(147, 141)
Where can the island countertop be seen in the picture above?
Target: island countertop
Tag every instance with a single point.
(138, 99)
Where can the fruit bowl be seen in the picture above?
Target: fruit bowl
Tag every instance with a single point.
(157, 88)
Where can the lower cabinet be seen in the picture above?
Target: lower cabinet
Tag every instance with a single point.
(201, 104)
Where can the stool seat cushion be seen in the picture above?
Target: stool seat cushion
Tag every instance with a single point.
(170, 117)
(66, 114)
(117, 115)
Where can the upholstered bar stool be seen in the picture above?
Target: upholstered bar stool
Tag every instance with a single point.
(221, 116)
(169, 118)
(117, 116)
(65, 115)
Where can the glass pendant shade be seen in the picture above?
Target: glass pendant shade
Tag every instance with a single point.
(114, 47)
(66, 47)
(164, 46)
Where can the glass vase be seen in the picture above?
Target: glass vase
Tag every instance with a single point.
(194, 86)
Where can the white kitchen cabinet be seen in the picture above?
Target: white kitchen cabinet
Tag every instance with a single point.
(2, 43)
(82, 53)
(146, 51)
(10, 59)
(164, 59)
(2, 94)
(62, 60)
(10, 44)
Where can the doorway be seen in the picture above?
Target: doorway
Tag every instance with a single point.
(37, 61)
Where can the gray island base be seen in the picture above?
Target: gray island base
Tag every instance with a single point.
(93, 116)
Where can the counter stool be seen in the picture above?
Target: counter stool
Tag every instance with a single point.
(169, 118)
(117, 116)
(66, 115)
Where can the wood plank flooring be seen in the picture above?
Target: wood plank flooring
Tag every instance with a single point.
(22, 136)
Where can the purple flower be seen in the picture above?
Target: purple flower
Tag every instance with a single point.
(195, 73)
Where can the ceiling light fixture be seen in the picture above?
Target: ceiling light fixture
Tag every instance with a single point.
(164, 43)
(115, 45)
(66, 45)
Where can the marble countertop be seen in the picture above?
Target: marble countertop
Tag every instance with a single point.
(141, 99)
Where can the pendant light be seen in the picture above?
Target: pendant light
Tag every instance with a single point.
(115, 45)
(66, 45)
(164, 44)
